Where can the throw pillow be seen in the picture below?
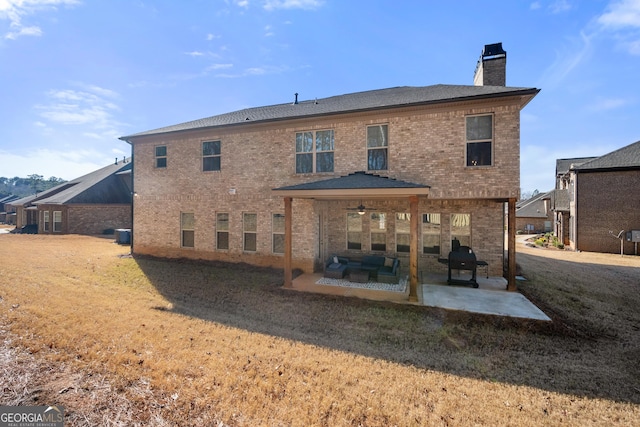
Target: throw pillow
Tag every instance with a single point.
(388, 262)
(335, 260)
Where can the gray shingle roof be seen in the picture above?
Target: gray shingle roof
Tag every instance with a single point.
(100, 186)
(360, 101)
(564, 165)
(533, 207)
(356, 180)
(623, 158)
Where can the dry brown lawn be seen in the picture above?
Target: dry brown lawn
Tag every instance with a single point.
(118, 340)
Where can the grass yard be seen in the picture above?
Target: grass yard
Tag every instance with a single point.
(118, 340)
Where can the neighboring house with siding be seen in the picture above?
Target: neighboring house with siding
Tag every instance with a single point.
(90, 204)
(604, 198)
(281, 185)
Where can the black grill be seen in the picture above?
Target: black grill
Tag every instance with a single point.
(463, 260)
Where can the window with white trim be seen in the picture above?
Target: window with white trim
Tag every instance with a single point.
(250, 232)
(277, 230)
(479, 140)
(57, 221)
(314, 157)
(187, 229)
(222, 231)
(45, 221)
(161, 156)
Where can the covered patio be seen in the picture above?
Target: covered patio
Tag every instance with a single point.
(360, 185)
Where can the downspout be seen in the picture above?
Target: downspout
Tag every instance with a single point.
(133, 193)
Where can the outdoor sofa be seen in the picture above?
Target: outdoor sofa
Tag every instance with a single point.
(381, 269)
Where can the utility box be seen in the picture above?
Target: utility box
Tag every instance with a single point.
(633, 236)
(123, 236)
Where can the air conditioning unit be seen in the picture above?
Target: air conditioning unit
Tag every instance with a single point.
(633, 236)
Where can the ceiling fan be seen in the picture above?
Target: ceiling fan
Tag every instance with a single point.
(360, 209)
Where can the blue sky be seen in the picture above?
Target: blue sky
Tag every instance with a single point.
(75, 75)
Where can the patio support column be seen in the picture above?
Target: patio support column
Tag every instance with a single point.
(511, 242)
(413, 249)
(288, 281)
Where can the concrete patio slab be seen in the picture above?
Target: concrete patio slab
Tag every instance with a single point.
(511, 304)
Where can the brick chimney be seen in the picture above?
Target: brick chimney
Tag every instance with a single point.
(491, 69)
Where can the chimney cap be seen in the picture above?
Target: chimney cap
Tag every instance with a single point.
(494, 49)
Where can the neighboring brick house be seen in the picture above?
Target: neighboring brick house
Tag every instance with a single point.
(561, 206)
(7, 212)
(534, 215)
(603, 196)
(91, 204)
(279, 185)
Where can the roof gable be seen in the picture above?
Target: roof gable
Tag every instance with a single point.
(95, 187)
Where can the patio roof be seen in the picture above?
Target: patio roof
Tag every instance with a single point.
(357, 184)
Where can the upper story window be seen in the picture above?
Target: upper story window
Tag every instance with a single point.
(377, 147)
(161, 156)
(314, 157)
(479, 138)
(211, 156)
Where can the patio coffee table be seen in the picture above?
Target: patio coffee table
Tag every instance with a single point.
(360, 276)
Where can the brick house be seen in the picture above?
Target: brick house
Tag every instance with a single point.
(90, 204)
(7, 212)
(603, 195)
(535, 215)
(281, 185)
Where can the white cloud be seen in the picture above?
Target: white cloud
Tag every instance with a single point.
(604, 104)
(567, 61)
(535, 5)
(194, 53)
(91, 109)
(292, 4)
(15, 10)
(559, 6)
(621, 14)
(622, 20)
(68, 164)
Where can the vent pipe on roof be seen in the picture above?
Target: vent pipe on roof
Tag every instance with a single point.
(296, 100)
